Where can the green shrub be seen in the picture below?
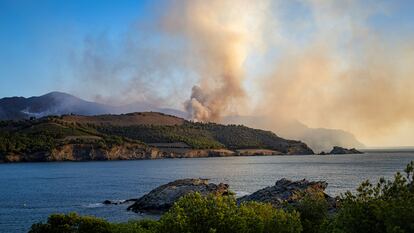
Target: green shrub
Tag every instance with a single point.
(197, 214)
(313, 211)
(385, 207)
(141, 226)
(71, 223)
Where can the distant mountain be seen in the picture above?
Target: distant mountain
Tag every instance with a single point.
(319, 139)
(59, 103)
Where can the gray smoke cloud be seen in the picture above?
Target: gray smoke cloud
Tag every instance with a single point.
(316, 62)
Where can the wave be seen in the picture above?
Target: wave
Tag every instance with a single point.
(241, 193)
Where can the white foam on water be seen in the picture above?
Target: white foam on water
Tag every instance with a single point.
(94, 205)
(241, 193)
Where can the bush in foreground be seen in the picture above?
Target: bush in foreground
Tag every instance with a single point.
(71, 223)
(195, 213)
(385, 207)
(313, 210)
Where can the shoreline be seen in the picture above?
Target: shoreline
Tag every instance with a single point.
(205, 153)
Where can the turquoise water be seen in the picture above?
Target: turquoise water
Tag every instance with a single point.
(29, 192)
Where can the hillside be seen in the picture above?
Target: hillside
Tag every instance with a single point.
(59, 103)
(145, 135)
(319, 139)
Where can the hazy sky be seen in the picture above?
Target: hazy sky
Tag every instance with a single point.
(335, 64)
(37, 37)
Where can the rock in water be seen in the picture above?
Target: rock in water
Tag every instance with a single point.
(162, 198)
(118, 202)
(290, 192)
(107, 202)
(341, 150)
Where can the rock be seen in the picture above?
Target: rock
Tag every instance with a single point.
(341, 150)
(322, 153)
(162, 198)
(290, 192)
(107, 202)
(298, 148)
(257, 152)
(117, 202)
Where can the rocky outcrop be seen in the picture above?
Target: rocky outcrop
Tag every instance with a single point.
(127, 151)
(83, 152)
(118, 202)
(163, 197)
(289, 192)
(257, 152)
(192, 153)
(130, 151)
(298, 148)
(86, 152)
(341, 150)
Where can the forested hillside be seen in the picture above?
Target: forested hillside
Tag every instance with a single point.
(46, 134)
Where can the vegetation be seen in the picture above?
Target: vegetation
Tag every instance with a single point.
(45, 134)
(195, 137)
(313, 210)
(385, 207)
(201, 135)
(192, 213)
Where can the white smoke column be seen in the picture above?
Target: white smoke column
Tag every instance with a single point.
(220, 35)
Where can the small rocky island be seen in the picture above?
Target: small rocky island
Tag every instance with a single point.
(289, 192)
(336, 150)
(162, 198)
(285, 192)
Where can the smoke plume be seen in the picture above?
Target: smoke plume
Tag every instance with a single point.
(347, 76)
(220, 35)
(321, 63)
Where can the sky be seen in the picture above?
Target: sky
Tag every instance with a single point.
(38, 37)
(319, 62)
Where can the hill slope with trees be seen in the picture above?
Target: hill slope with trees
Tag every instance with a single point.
(129, 136)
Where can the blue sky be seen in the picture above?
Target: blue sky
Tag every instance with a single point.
(37, 37)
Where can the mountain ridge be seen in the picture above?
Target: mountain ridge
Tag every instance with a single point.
(61, 103)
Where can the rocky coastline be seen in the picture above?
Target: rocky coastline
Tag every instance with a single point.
(282, 194)
(131, 151)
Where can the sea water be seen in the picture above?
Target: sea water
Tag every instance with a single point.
(29, 192)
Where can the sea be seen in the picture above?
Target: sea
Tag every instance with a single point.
(30, 192)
